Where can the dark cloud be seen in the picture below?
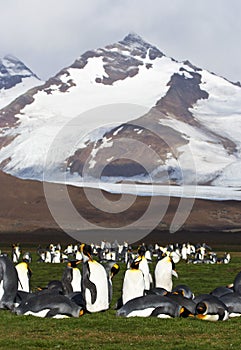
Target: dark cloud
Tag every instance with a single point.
(49, 35)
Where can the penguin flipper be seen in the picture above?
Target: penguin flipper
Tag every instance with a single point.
(54, 312)
(29, 272)
(87, 284)
(93, 291)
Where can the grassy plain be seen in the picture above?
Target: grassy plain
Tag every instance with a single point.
(106, 331)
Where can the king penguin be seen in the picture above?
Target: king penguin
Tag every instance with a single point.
(164, 270)
(212, 309)
(8, 283)
(133, 283)
(95, 285)
(144, 267)
(71, 278)
(49, 304)
(146, 305)
(111, 272)
(24, 274)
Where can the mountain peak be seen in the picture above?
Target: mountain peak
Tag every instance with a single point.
(11, 58)
(134, 40)
(133, 37)
(13, 66)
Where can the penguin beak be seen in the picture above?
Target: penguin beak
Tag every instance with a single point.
(90, 257)
(201, 317)
(81, 313)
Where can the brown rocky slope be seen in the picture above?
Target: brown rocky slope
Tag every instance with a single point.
(25, 216)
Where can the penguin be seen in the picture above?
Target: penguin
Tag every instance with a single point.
(221, 291)
(133, 283)
(16, 252)
(95, 285)
(233, 303)
(78, 255)
(184, 290)
(144, 267)
(157, 291)
(24, 274)
(71, 278)
(56, 285)
(200, 297)
(237, 283)
(111, 272)
(212, 309)
(187, 303)
(56, 257)
(169, 309)
(146, 305)
(49, 304)
(8, 283)
(164, 270)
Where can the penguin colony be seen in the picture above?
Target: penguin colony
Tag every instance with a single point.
(89, 290)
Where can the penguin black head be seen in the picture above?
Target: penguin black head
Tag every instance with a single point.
(183, 290)
(141, 250)
(73, 263)
(114, 270)
(86, 249)
(135, 264)
(201, 308)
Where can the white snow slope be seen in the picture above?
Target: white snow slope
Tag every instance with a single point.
(58, 122)
(10, 68)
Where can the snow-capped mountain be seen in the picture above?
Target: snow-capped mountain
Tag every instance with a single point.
(126, 111)
(15, 79)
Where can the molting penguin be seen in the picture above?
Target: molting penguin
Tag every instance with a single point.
(24, 274)
(95, 286)
(71, 278)
(164, 270)
(49, 304)
(133, 283)
(8, 283)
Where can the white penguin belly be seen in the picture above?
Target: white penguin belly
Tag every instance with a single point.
(133, 285)
(76, 281)
(1, 290)
(141, 313)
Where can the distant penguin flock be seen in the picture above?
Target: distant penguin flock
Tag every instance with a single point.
(90, 289)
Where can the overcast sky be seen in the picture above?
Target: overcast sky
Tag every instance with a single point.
(48, 35)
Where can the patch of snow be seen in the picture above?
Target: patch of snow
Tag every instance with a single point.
(117, 131)
(8, 95)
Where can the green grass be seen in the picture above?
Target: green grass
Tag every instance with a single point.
(106, 331)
